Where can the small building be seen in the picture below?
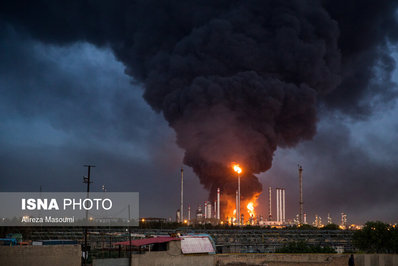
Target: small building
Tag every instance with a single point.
(188, 244)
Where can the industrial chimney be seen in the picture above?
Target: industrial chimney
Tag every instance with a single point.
(189, 214)
(280, 205)
(300, 169)
(236, 208)
(269, 204)
(218, 203)
(182, 197)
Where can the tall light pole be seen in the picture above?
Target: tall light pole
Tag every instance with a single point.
(238, 170)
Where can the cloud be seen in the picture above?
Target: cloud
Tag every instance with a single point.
(348, 167)
(74, 105)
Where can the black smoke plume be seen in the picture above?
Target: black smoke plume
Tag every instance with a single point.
(234, 78)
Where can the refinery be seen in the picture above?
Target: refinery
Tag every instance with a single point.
(156, 132)
(207, 230)
(211, 213)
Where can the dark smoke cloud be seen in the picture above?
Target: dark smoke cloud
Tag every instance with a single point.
(237, 85)
(235, 79)
(348, 168)
(367, 28)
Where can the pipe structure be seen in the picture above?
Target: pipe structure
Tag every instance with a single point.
(182, 197)
(215, 210)
(218, 203)
(301, 203)
(189, 213)
(205, 209)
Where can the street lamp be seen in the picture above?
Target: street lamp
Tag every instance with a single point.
(238, 170)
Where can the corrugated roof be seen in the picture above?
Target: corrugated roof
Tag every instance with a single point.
(147, 241)
(196, 244)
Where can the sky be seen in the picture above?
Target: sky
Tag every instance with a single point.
(66, 104)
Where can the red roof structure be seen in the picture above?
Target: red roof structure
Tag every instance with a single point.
(148, 241)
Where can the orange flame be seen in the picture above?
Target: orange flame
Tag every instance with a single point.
(237, 168)
(250, 209)
(233, 218)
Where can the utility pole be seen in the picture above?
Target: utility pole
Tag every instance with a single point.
(86, 180)
(129, 239)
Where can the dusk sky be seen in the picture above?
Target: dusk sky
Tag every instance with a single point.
(69, 98)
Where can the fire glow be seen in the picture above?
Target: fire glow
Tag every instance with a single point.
(248, 205)
(237, 168)
(248, 209)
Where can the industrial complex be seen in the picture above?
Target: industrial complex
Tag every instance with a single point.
(210, 212)
(205, 235)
